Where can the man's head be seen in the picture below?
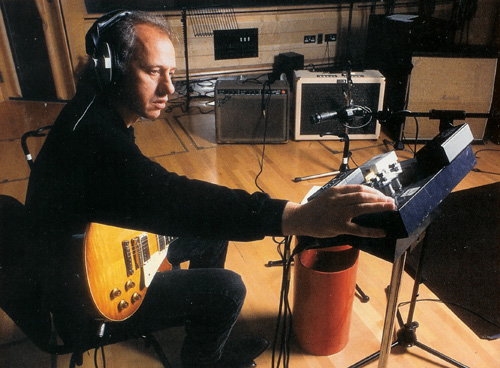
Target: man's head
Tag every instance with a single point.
(145, 59)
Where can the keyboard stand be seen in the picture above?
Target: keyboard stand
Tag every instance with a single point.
(406, 335)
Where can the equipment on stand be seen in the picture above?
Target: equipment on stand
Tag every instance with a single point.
(418, 186)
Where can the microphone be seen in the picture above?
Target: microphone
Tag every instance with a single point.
(343, 114)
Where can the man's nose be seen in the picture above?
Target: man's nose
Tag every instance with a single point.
(166, 86)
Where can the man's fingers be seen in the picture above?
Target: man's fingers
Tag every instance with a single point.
(355, 188)
(360, 191)
(350, 195)
(366, 232)
(374, 207)
(331, 213)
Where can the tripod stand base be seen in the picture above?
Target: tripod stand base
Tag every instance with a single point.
(407, 337)
(398, 145)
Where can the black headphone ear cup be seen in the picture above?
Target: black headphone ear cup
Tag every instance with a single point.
(105, 58)
(106, 64)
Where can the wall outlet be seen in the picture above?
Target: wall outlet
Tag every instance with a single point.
(330, 37)
(310, 39)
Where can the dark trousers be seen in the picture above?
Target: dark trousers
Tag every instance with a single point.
(199, 253)
(206, 299)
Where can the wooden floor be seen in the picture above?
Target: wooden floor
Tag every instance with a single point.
(185, 143)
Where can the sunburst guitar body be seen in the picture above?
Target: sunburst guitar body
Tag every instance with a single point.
(120, 265)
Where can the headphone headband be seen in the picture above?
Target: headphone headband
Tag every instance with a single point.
(94, 34)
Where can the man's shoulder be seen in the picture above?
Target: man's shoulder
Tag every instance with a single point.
(94, 117)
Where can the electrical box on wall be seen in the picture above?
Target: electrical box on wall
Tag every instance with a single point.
(236, 43)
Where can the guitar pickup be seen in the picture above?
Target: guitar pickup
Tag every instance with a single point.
(146, 254)
(140, 250)
(137, 252)
(127, 256)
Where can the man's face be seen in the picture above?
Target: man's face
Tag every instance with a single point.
(148, 80)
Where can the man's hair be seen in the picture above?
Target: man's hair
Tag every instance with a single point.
(122, 36)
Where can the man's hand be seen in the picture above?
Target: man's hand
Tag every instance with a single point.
(331, 213)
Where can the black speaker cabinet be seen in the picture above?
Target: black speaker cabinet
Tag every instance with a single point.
(317, 92)
(452, 82)
(239, 111)
(287, 63)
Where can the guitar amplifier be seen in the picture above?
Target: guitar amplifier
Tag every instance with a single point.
(318, 92)
(248, 112)
(449, 82)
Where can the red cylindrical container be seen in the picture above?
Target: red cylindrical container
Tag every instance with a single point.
(324, 287)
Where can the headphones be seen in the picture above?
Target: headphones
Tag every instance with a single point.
(102, 53)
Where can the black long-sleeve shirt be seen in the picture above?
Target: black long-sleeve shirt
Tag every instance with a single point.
(91, 170)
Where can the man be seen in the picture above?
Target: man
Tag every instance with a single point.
(90, 170)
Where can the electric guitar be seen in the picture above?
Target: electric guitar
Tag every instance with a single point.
(119, 265)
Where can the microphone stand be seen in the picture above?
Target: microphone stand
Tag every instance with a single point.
(344, 166)
(344, 137)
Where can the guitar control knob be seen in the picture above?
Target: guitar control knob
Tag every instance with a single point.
(135, 297)
(115, 293)
(129, 285)
(122, 305)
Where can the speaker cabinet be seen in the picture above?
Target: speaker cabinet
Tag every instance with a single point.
(240, 107)
(449, 83)
(287, 63)
(317, 92)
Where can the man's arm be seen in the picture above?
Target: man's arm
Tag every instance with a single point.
(331, 213)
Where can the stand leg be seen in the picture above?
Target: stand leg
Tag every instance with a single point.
(186, 55)
(364, 298)
(390, 313)
(302, 178)
(440, 355)
(407, 335)
(369, 358)
(390, 316)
